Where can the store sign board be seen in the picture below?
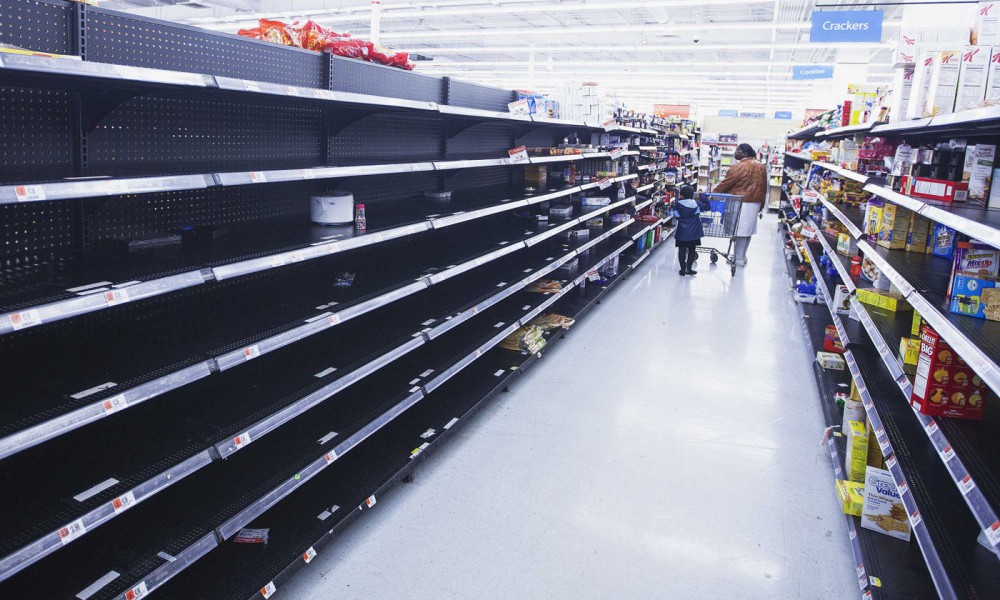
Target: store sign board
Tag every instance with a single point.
(752, 115)
(672, 110)
(725, 112)
(803, 72)
(846, 26)
(782, 114)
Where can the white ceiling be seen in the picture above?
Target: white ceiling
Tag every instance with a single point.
(711, 53)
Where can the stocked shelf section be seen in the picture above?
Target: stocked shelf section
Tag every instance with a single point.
(183, 282)
(925, 466)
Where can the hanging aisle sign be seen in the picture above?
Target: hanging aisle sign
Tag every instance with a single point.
(801, 72)
(846, 26)
(782, 114)
(725, 112)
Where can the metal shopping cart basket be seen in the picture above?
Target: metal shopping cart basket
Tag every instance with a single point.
(720, 214)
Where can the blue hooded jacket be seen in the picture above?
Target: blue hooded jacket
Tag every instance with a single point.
(688, 215)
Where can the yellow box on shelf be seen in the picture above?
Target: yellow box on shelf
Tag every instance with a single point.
(856, 459)
(891, 301)
(852, 497)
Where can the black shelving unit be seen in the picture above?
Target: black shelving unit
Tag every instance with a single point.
(249, 363)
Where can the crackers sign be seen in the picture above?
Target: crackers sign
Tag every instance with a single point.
(846, 26)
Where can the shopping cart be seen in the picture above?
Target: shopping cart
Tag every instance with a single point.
(720, 214)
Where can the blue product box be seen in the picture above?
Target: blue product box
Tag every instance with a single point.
(943, 241)
(967, 297)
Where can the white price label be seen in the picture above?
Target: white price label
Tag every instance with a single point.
(852, 534)
(309, 554)
(931, 427)
(123, 503)
(27, 318)
(257, 177)
(333, 320)
(242, 440)
(891, 461)
(308, 174)
(518, 155)
(139, 591)
(616, 153)
(268, 589)
(902, 488)
(114, 297)
(967, 485)
(993, 533)
(296, 256)
(947, 454)
(251, 352)
(72, 531)
(114, 404)
(609, 123)
(29, 193)
(861, 572)
(593, 276)
(330, 456)
(251, 86)
(276, 261)
(370, 502)
(916, 519)
(324, 94)
(604, 183)
(519, 107)
(291, 90)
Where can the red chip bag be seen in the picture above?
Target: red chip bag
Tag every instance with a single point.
(275, 31)
(250, 33)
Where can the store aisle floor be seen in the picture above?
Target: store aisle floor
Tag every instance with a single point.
(670, 446)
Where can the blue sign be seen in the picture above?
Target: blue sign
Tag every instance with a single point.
(800, 72)
(846, 26)
(782, 114)
(727, 113)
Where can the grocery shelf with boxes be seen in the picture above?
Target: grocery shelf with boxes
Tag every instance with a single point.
(326, 220)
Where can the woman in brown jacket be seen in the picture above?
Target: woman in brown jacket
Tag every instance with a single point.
(747, 178)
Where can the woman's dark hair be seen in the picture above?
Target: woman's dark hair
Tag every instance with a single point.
(747, 149)
(686, 192)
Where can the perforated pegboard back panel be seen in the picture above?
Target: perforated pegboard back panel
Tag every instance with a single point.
(487, 140)
(39, 25)
(474, 95)
(36, 131)
(350, 75)
(385, 137)
(155, 131)
(543, 137)
(480, 178)
(35, 229)
(127, 217)
(379, 189)
(125, 39)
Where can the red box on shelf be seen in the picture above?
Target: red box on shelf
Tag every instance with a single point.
(831, 340)
(942, 190)
(943, 385)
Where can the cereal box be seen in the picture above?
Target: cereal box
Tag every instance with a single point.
(856, 458)
(909, 351)
(883, 510)
(976, 260)
(975, 297)
(831, 340)
(895, 225)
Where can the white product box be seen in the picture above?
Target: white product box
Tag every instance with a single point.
(943, 82)
(979, 166)
(972, 77)
(986, 31)
(883, 510)
(993, 78)
(921, 82)
(905, 50)
(902, 87)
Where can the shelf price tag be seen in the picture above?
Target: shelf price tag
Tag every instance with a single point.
(947, 454)
(242, 440)
(114, 404)
(609, 123)
(370, 502)
(139, 591)
(916, 519)
(251, 352)
(519, 107)
(308, 174)
(324, 94)
(291, 90)
(29, 193)
(309, 554)
(268, 590)
(852, 534)
(257, 177)
(123, 503)
(27, 318)
(902, 488)
(931, 428)
(616, 153)
(251, 86)
(333, 319)
(330, 456)
(891, 461)
(518, 155)
(993, 533)
(115, 297)
(72, 531)
(966, 484)
(604, 183)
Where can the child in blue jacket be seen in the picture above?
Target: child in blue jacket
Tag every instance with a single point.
(688, 237)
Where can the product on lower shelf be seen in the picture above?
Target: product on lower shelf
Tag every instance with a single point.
(544, 286)
(528, 338)
(551, 321)
(883, 510)
(975, 274)
(851, 495)
(856, 457)
(944, 385)
(891, 301)
(831, 340)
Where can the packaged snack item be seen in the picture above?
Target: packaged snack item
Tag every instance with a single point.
(978, 171)
(891, 301)
(909, 351)
(846, 244)
(943, 385)
(854, 410)
(975, 297)
(943, 241)
(549, 322)
(831, 341)
(873, 219)
(829, 360)
(875, 457)
(842, 300)
(895, 226)
(883, 510)
(916, 324)
(544, 286)
(976, 260)
(856, 458)
(851, 495)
